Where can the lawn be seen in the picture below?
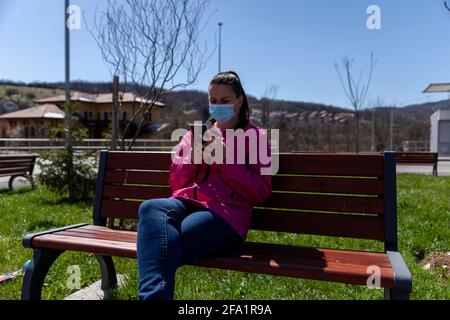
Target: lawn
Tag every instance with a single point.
(424, 218)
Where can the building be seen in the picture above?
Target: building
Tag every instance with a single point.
(440, 133)
(31, 122)
(95, 111)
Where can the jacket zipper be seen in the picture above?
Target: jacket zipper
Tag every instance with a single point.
(203, 181)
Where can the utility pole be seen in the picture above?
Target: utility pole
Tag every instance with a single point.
(373, 129)
(392, 130)
(220, 46)
(115, 109)
(68, 107)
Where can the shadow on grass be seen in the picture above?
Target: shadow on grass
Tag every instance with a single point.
(20, 190)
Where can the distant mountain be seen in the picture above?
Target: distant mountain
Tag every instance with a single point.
(198, 100)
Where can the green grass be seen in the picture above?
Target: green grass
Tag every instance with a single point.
(423, 217)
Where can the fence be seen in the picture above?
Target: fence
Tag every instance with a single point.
(30, 145)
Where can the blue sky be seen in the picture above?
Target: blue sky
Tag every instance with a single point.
(289, 43)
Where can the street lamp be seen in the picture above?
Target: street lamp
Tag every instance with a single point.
(220, 46)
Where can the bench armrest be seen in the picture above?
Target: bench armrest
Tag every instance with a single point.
(27, 239)
(403, 279)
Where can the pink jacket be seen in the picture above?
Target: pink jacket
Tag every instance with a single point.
(229, 190)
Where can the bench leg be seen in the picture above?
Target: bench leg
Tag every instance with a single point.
(29, 178)
(37, 271)
(392, 294)
(109, 277)
(435, 171)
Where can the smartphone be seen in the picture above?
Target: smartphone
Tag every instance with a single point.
(204, 128)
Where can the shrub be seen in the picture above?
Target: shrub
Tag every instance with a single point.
(54, 166)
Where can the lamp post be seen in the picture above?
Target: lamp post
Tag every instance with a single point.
(220, 46)
(68, 111)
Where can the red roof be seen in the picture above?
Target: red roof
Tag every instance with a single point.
(100, 98)
(44, 111)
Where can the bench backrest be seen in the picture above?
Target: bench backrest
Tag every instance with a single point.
(417, 157)
(342, 195)
(13, 165)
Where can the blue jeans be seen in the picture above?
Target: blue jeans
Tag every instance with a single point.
(170, 235)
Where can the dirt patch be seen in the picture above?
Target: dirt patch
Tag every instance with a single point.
(438, 261)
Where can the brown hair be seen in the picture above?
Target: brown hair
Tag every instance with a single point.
(231, 78)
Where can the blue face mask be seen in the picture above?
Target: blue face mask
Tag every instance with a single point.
(223, 113)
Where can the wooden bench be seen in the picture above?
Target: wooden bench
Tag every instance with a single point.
(15, 166)
(333, 195)
(418, 158)
(402, 158)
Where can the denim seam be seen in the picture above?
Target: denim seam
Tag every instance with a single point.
(164, 257)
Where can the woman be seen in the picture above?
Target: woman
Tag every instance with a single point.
(210, 209)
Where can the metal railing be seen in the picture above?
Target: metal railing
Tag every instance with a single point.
(30, 145)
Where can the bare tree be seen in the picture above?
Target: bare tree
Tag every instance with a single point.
(355, 91)
(269, 95)
(148, 43)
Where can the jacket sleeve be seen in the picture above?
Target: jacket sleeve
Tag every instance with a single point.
(247, 180)
(182, 171)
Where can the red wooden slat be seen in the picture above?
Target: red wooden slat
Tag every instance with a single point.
(351, 226)
(325, 203)
(98, 235)
(104, 247)
(274, 263)
(133, 192)
(14, 169)
(139, 160)
(285, 183)
(328, 185)
(15, 163)
(328, 272)
(338, 255)
(119, 209)
(137, 177)
(332, 164)
(17, 157)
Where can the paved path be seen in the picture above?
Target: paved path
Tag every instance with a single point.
(94, 291)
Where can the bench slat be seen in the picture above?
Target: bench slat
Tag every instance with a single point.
(137, 177)
(336, 225)
(342, 266)
(14, 169)
(15, 163)
(276, 200)
(332, 164)
(282, 183)
(330, 272)
(325, 203)
(315, 164)
(351, 226)
(139, 160)
(249, 248)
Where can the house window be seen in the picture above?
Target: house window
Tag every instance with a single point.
(125, 116)
(27, 132)
(33, 132)
(86, 115)
(105, 116)
(90, 114)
